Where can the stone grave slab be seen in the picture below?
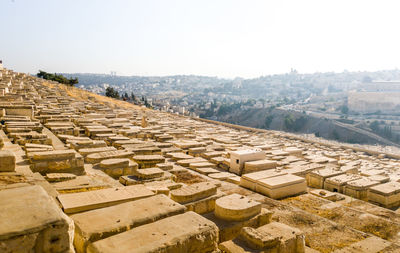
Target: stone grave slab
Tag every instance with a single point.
(31, 221)
(101, 223)
(188, 232)
(7, 161)
(84, 201)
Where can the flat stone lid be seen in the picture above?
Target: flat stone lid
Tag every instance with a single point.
(119, 218)
(221, 175)
(163, 235)
(83, 201)
(387, 188)
(281, 181)
(26, 210)
(261, 162)
(362, 183)
(116, 162)
(148, 157)
(193, 192)
(343, 179)
(52, 155)
(254, 176)
(328, 172)
(236, 207)
(150, 173)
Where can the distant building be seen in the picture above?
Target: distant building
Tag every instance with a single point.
(370, 102)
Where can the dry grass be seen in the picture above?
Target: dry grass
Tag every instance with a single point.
(380, 228)
(188, 178)
(84, 95)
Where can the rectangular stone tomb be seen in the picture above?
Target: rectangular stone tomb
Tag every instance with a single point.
(117, 167)
(250, 180)
(101, 223)
(84, 201)
(254, 166)
(387, 195)
(31, 221)
(238, 159)
(193, 192)
(7, 161)
(338, 183)
(359, 188)
(281, 186)
(199, 197)
(188, 232)
(56, 161)
(317, 178)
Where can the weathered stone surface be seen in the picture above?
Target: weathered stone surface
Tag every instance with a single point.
(52, 155)
(114, 163)
(84, 201)
(149, 173)
(188, 232)
(281, 186)
(148, 161)
(32, 222)
(59, 177)
(7, 161)
(98, 157)
(236, 207)
(229, 230)
(194, 192)
(98, 224)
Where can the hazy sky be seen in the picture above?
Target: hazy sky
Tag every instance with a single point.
(224, 38)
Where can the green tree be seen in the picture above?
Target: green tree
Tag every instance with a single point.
(111, 92)
(374, 126)
(344, 109)
(268, 121)
(58, 78)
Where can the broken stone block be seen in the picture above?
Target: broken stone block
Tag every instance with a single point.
(84, 201)
(188, 232)
(7, 161)
(101, 223)
(32, 222)
(236, 207)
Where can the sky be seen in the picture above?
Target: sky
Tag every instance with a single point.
(224, 38)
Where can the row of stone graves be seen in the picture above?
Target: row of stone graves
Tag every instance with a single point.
(84, 175)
